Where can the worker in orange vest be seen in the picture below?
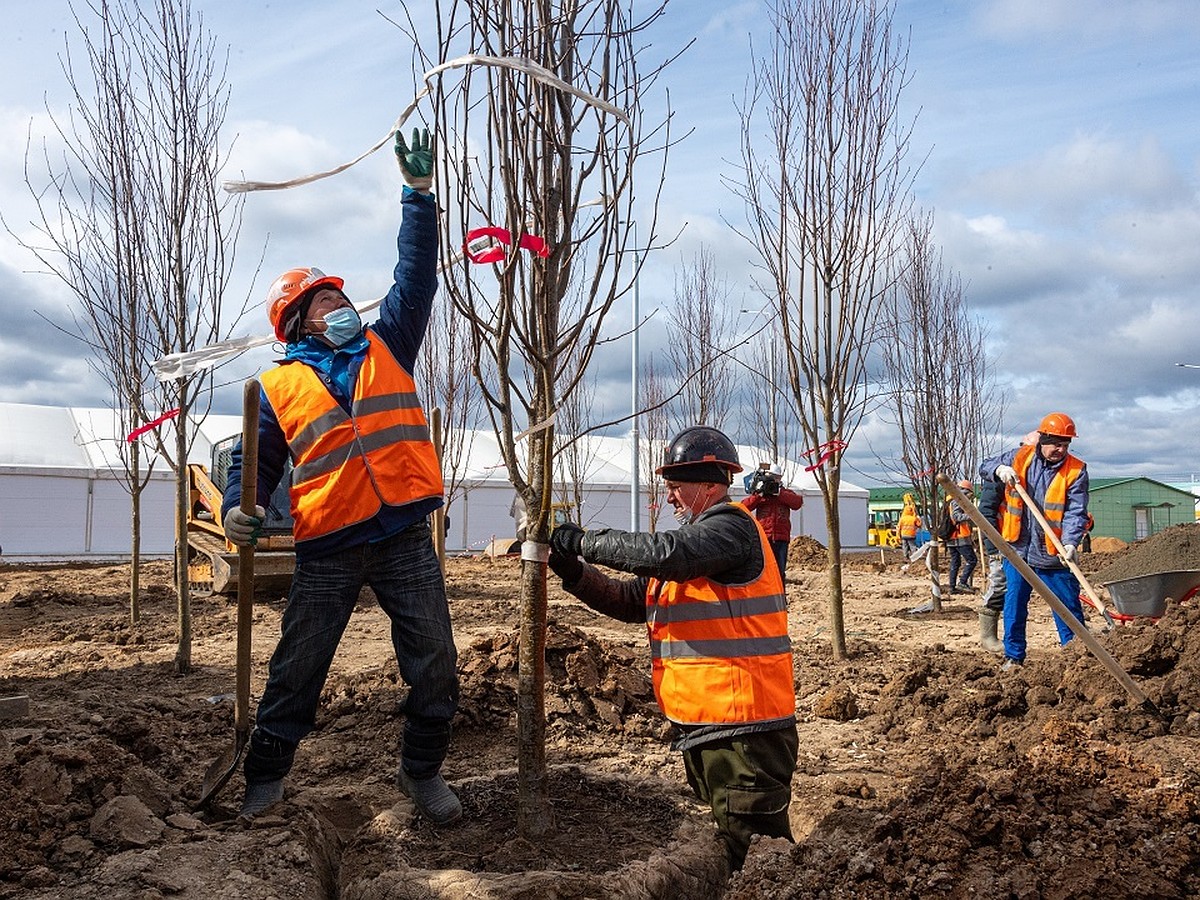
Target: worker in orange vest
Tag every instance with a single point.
(343, 406)
(908, 526)
(714, 606)
(1058, 482)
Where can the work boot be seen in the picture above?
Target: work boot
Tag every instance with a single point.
(1010, 664)
(433, 797)
(260, 795)
(989, 622)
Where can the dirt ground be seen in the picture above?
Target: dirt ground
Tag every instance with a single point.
(924, 770)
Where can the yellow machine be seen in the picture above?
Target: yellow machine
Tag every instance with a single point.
(212, 560)
(881, 530)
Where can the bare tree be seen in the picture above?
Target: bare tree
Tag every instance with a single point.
(136, 227)
(826, 188)
(574, 456)
(526, 156)
(770, 411)
(939, 383)
(450, 386)
(703, 325)
(656, 434)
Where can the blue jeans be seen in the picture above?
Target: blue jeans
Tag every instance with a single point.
(403, 571)
(1062, 583)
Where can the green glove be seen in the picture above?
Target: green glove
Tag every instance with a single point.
(416, 164)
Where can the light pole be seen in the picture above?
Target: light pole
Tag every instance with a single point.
(635, 488)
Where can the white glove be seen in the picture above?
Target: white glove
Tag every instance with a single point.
(1007, 474)
(243, 530)
(1069, 552)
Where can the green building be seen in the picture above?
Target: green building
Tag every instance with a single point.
(1134, 508)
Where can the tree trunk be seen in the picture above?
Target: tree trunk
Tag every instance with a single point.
(837, 621)
(183, 653)
(534, 816)
(135, 548)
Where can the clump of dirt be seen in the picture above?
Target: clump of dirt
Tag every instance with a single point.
(805, 552)
(1172, 549)
(1105, 544)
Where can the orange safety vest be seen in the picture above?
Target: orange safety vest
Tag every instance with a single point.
(961, 530)
(721, 652)
(909, 522)
(347, 465)
(1053, 503)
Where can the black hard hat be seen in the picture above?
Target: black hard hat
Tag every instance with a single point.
(700, 453)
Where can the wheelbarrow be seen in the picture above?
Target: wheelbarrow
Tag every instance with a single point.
(1146, 596)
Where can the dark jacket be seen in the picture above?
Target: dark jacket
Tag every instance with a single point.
(722, 544)
(403, 319)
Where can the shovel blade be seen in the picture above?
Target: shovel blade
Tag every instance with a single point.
(222, 770)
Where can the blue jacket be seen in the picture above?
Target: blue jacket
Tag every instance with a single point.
(403, 319)
(1031, 545)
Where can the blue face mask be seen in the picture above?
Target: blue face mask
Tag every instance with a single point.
(342, 326)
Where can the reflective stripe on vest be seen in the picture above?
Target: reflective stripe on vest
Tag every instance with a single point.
(1053, 503)
(721, 653)
(347, 465)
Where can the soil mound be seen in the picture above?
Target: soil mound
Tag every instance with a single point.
(1172, 549)
(805, 552)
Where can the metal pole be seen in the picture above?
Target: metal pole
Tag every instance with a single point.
(635, 490)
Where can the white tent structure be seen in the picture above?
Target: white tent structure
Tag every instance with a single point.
(62, 493)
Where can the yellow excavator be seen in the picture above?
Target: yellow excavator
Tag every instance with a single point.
(212, 560)
(882, 530)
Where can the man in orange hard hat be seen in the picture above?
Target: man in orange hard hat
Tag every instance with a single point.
(1058, 483)
(343, 406)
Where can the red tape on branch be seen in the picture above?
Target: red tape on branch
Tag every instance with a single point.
(826, 450)
(496, 252)
(169, 414)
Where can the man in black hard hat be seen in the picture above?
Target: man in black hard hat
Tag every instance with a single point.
(717, 618)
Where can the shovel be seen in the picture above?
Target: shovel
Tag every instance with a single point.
(1077, 627)
(226, 764)
(1062, 553)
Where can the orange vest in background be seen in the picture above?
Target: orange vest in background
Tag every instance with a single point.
(721, 653)
(347, 465)
(909, 522)
(1053, 503)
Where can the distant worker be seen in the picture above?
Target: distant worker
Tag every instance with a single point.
(772, 504)
(908, 526)
(1086, 545)
(343, 405)
(1058, 483)
(716, 614)
(961, 543)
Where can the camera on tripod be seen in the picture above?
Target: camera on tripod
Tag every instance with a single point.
(766, 483)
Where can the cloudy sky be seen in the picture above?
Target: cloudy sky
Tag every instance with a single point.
(1062, 168)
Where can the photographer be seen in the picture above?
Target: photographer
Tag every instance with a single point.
(772, 505)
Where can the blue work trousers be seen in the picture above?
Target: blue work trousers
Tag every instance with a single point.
(1062, 583)
(404, 573)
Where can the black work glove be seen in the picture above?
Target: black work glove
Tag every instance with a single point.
(568, 567)
(567, 539)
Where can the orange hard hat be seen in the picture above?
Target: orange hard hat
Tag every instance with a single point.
(1057, 424)
(966, 485)
(289, 288)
